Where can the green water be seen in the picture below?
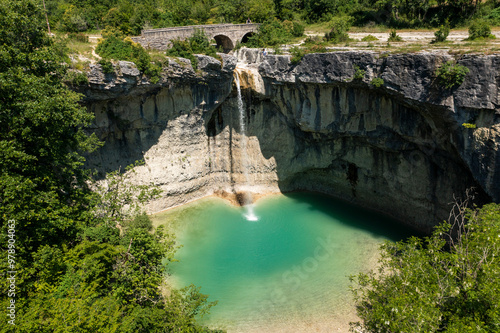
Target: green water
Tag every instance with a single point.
(286, 272)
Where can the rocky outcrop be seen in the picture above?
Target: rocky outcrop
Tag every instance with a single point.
(399, 148)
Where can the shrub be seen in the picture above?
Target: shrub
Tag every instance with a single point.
(72, 20)
(297, 54)
(271, 33)
(298, 29)
(339, 25)
(141, 221)
(114, 46)
(182, 49)
(359, 73)
(369, 38)
(451, 75)
(294, 28)
(394, 37)
(441, 34)
(107, 66)
(198, 43)
(73, 78)
(480, 29)
(377, 82)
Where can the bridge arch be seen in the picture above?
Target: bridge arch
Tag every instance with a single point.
(225, 42)
(245, 37)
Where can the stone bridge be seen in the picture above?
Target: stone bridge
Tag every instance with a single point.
(225, 35)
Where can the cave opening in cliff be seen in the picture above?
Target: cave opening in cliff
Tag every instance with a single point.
(283, 272)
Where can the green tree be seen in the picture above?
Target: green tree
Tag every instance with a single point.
(42, 185)
(339, 26)
(72, 20)
(447, 282)
(78, 269)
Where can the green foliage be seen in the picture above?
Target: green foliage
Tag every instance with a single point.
(447, 282)
(480, 29)
(131, 16)
(377, 82)
(468, 125)
(451, 75)
(182, 49)
(76, 78)
(107, 66)
(140, 221)
(78, 269)
(441, 34)
(369, 38)
(394, 37)
(359, 73)
(115, 46)
(273, 33)
(294, 28)
(297, 54)
(339, 26)
(42, 185)
(277, 51)
(117, 198)
(72, 20)
(198, 43)
(493, 17)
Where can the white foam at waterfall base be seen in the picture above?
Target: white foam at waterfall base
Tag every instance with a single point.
(249, 207)
(250, 213)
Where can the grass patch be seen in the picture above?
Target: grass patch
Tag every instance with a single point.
(79, 47)
(369, 38)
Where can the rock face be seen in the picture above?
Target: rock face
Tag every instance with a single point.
(399, 148)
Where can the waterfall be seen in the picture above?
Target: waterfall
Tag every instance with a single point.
(247, 196)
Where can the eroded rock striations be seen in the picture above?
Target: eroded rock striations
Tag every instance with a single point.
(399, 148)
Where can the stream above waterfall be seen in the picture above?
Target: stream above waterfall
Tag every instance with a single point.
(286, 272)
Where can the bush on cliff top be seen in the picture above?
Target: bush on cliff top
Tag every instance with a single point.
(198, 43)
(114, 45)
(273, 32)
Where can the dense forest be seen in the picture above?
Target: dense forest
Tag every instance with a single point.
(74, 260)
(130, 16)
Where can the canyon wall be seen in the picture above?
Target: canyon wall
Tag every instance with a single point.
(399, 148)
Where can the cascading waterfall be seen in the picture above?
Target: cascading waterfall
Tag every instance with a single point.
(247, 196)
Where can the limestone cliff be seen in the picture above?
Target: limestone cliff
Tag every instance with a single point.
(400, 148)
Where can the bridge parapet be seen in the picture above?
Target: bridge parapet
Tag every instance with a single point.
(225, 35)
